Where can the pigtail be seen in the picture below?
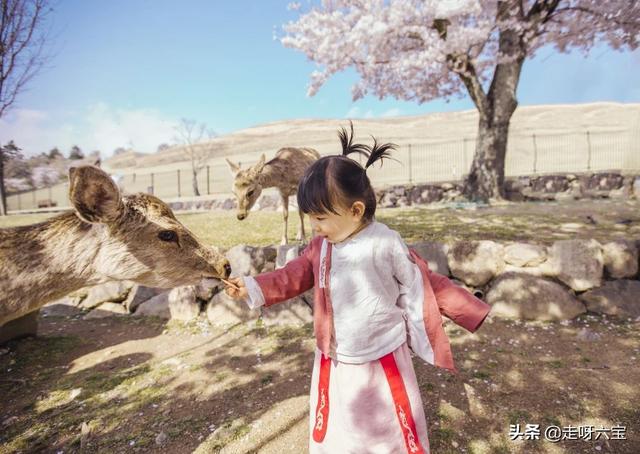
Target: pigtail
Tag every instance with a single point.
(380, 152)
(348, 146)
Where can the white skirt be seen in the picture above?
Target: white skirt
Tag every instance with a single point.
(373, 407)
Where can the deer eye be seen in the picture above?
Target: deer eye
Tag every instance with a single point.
(250, 192)
(168, 235)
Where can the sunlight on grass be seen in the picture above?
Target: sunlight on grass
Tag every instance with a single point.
(223, 229)
(514, 223)
(57, 398)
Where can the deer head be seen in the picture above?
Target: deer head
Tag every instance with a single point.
(246, 185)
(139, 237)
(107, 237)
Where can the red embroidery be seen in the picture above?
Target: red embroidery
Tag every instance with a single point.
(402, 405)
(323, 270)
(322, 408)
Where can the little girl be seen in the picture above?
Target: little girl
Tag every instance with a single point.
(373, 300)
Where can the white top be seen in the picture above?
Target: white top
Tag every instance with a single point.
(371, 272)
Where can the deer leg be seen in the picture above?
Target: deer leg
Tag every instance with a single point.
(285, 216)
(300, 236)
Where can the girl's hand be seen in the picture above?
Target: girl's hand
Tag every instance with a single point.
(235, 288)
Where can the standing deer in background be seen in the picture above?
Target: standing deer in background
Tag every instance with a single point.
(283, 172)
(108, 237)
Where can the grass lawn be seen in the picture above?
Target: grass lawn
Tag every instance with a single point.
(603, 220)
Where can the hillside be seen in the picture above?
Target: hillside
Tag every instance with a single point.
(246, 144)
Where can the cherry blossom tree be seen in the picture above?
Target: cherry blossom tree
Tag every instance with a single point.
(44, 176)
(420, 50)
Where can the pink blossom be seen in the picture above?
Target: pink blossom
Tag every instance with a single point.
(398, 51)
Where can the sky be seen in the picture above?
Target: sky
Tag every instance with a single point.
(123, 74)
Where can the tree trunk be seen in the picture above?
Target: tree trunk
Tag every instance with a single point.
(195, 183)
(3, 196)
(486, 177)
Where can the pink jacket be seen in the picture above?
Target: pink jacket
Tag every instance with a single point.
(441, 296)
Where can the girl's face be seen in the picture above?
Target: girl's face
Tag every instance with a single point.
(337, 227)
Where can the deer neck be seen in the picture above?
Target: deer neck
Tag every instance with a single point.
(268, 177)
(46, 261)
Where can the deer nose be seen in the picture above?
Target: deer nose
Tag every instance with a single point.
(241, 216)
(227, 270)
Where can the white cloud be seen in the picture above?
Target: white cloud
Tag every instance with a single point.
(356, 112)
(391, 112)
(99, 127)
(26, 128)
(142, 129)
(353, 112)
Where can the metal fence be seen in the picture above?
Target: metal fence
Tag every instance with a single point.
(416, 163)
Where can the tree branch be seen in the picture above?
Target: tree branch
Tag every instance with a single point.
(590, 12)
(462, 66)
(541, 7)
(21, 47)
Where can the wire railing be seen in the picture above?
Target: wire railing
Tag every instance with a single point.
(415, 163)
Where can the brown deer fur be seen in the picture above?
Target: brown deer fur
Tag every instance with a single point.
(283, 172)
(108, 237)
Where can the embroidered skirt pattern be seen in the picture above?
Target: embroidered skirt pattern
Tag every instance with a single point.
(373, 407)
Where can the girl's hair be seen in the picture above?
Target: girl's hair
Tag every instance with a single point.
(339, 180)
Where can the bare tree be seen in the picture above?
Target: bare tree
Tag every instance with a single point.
(191, 135)
(22, 42)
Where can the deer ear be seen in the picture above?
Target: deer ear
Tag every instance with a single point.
(235, 168)
(94, 195)
(259, 165)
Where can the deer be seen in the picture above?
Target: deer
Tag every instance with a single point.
(283, 172)
(107, 236)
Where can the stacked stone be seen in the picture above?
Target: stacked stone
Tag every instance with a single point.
(558, 187)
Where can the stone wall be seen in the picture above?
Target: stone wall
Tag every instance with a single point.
(519, 280)
(526, 188)
(559, 187)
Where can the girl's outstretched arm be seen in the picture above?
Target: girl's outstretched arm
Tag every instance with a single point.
(295, 278)
(458, 303)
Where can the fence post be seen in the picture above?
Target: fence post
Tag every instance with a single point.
(33, 193)
(410, 167)
(179, 193)
(535, 154)
(134, 177)
(208, 181)
(19, 203)
(152, 185)
(588, 152)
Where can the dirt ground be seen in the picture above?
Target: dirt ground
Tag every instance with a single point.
(139, 385)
